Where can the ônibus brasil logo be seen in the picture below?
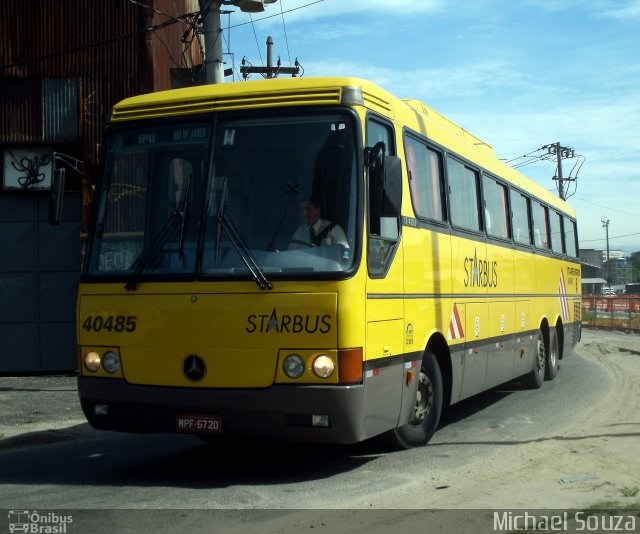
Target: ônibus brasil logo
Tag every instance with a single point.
(38, 523)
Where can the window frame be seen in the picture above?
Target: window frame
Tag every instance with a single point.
(450, 156)
(507, 208)
(409, 136)
(378, 237)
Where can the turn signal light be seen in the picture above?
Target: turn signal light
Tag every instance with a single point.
(350, 365)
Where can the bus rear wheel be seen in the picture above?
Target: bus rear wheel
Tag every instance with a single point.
(552, 364)
(428, 407)
(535, 377)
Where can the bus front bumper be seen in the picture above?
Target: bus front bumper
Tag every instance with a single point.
(322, 414)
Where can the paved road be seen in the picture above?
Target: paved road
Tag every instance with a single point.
(78, 468)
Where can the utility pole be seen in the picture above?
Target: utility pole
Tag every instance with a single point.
(605, 225)
(561, 152)
(213, 60)
(269, 71)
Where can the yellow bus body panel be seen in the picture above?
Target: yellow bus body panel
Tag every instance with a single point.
(238, 335)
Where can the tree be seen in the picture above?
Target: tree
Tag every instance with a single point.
(634, 258)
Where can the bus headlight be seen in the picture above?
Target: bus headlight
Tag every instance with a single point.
(323, 366)
(293, 366)
(110, 362)
(92, 361)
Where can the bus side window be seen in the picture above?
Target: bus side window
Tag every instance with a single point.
(557, 241)
(383, 231)
(570, 237)
(520, 217)
(463, 195)
(538, 238)
(541, 225)
(425, 180)
(496, 208)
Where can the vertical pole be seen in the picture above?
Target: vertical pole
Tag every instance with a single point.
(269, 57)
(213, 63)
(560, 184)
(606, 231)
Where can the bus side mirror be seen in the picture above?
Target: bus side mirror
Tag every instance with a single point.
(385, 182)
(392, 198)
(56, 197)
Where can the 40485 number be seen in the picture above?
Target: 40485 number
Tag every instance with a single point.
(110, 323)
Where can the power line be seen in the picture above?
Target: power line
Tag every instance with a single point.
(256, 37)
(284, 26)
(172, 20)
(278, 14)
(88, 46)
(156, 11)
(554, 152)
(607, 208)
(602, 239)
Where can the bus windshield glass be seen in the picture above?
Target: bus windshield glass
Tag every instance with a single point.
(264, 198)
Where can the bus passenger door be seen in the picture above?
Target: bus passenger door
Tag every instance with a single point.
(384, 365)
(501, 348)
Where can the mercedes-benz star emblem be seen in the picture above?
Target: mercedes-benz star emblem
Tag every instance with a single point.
(194, 368)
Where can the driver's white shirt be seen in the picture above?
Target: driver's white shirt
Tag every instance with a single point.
(302, 237)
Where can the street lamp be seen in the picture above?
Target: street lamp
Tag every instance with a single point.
(252, 6)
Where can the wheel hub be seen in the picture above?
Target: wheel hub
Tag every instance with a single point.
(424, 399)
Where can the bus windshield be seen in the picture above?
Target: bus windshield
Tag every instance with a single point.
(262, 198)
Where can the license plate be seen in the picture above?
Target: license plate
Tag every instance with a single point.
(198, 423)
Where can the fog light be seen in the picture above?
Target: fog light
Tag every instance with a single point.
(323, 366)
(110, 362)
(92, 361)
(320, 420)
(293, 366)
(101, 409)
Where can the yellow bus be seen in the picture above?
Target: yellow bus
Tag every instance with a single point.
(313, 260)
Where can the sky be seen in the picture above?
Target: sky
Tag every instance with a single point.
(518, 74)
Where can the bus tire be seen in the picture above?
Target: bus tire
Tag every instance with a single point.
(552, 363)
(534, 378)
(428, 408)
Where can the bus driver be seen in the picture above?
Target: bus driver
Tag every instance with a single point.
(315, 231)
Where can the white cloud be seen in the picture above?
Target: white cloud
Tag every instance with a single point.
(629, 12)
(297, 10)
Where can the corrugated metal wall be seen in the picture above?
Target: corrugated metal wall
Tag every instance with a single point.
(63, 64)
(71, 60)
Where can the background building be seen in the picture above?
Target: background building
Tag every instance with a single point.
(63, 64)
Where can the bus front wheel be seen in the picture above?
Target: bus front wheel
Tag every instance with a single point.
(428, 406)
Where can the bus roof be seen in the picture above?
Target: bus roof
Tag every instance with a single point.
(294, 92)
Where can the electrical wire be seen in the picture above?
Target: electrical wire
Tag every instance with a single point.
(610, 238)
(608, 208)
(156, 11)
(284, 26)
(278, 14)
(172, 20)
(87, 47)
(255, 35)
(233, 61)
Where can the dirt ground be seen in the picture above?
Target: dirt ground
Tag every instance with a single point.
(602, 447)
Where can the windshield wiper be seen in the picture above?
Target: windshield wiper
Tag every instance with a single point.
(236, 240)
(165, 233)
(154, 248)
